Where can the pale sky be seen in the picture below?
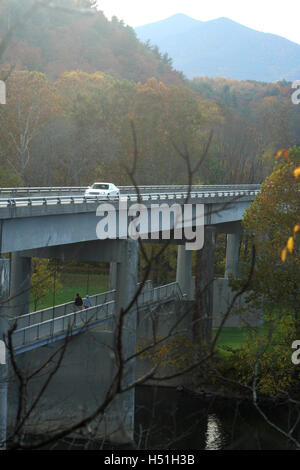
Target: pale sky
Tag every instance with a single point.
(270, 16)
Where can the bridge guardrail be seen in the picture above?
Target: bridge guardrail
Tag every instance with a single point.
(150, 196)
(148, 188)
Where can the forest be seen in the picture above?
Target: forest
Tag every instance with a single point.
(78, 83)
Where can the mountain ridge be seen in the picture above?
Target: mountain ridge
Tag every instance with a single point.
(223, 47)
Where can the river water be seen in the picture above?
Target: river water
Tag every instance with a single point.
(169, 419)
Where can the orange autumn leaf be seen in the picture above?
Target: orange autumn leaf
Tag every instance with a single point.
(283, 255)
(281, 153)
(285, 153)
(296, 228)
(297, 172)
(290, 244)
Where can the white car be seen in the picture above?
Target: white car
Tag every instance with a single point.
(107, 190)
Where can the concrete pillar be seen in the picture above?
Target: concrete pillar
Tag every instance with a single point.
(20, 284)
(126, 273)
(232, 254)
(112, 275)
(4, 314)
(126, 287)
(204, 287)
(184, 271)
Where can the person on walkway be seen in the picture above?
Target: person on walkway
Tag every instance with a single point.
(78, 302)
(87, 302)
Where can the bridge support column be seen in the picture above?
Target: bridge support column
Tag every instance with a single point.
(232, 254)
(184, 271)
(4, 325)
(204, 287)
(126, 285)
(20, 284)
(112, 275)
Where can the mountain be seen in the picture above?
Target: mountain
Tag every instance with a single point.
(222, 47)
(163, 29)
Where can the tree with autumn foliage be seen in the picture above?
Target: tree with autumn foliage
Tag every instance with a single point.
(272, 220)
(44, 278)
(31, 103)
(263, 362)
(169, 122)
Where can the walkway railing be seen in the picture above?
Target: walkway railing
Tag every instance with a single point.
(39, 316)
(63, 325)
(158, 294)
(50, 313)
(55, 328)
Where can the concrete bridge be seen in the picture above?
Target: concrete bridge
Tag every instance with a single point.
(61, 223)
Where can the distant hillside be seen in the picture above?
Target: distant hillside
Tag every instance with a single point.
(53, 42)
(224, 48)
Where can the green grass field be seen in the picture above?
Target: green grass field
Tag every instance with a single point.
(71, 283)
(232, 337)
